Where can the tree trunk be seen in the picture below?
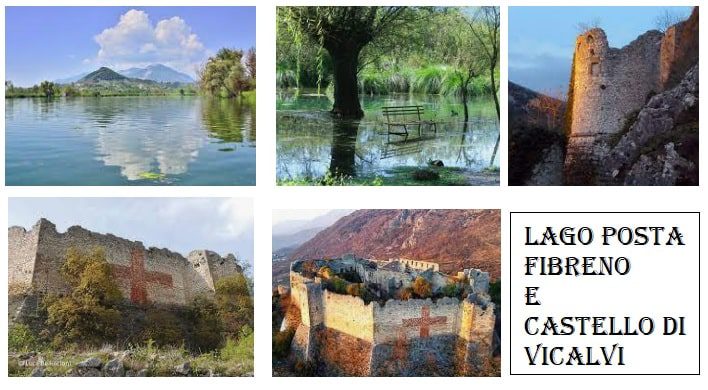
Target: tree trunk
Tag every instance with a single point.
(343, 150)
(464, 102)
(346, 86)
(494, 90)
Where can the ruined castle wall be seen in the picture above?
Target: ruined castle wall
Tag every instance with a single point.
(393, 320)
(607, 85)
(22, 249)
(679, 51)
(52, 248)
(197, 275)
(349, 315)
(169, 263)
(419, 265)
(386, 279)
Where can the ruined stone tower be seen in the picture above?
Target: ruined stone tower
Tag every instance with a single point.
(608, 88)
(607, 85)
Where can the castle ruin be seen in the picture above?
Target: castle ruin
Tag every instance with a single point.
(144, 275)
(609, 86)
(342, 334)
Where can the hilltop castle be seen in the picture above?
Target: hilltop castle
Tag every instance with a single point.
(144, 275)
(342, 334)
(609, 86)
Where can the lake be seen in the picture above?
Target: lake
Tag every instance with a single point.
(310, 143)
(130, 141)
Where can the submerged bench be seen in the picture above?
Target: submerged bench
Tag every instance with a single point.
(405, 116)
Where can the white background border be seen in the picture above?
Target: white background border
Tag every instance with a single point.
(267, 197)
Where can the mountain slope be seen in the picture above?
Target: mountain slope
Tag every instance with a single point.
(536, 141)
(294, 239)
(157, 72)
(102, 74)
(455, 239)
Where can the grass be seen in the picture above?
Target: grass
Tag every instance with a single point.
(399, 176)
(234, 359)
(431, 79)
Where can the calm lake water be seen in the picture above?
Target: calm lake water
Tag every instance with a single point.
(310, 142)
(130, 141)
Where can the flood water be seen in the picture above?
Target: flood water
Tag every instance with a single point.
(130, 141)
(310, 143)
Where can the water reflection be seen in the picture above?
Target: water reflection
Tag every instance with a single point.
(149, 139)
(310, 143)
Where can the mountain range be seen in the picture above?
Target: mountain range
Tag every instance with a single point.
(156, 72)
(288, 236)
(455, 239)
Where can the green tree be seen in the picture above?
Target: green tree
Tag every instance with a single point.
(234, 304)
(207, 327)
(89, 314)
(48, 88)
(224, 73)
(484, 26)
(344, 32)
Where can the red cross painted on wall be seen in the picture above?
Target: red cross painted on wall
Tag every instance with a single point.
(424, 322)
(139, 277)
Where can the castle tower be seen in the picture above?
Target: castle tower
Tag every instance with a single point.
(607, 85)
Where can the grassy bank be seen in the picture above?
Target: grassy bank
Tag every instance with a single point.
(404, 176)
(431, 79)
(235, 358)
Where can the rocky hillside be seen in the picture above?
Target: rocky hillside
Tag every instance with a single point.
(455, 239)
(536, 141)
(660, 147)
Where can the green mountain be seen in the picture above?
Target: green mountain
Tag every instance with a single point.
(102, 74)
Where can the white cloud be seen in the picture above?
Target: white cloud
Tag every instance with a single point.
(136, 41)
(237, 216)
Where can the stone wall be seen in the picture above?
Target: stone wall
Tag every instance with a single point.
(416, 318)
(349, 315)
(419, 265)
(23, 245)
(607, 85)
(679, 51)
(342, 335)
(144, 275)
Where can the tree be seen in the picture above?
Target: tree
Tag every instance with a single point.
(344, 32)
(234, 303)
(224, 73)
(48, 88)
(422, 288)
(207, 327)
(251, 64)
(89, 314)
(548, 109)
(667, 19)
(460, 49)
(485, 28)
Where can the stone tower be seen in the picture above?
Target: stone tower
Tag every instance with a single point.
(607, 85)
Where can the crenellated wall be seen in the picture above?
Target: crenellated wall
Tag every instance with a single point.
(143, 274)
(348, 336)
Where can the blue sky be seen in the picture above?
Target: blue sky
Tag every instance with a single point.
(541, 39)
(48, 43)
(223, 225)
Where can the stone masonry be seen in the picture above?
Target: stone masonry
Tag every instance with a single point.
(346, 336)
(609, 85)
(145, 275)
